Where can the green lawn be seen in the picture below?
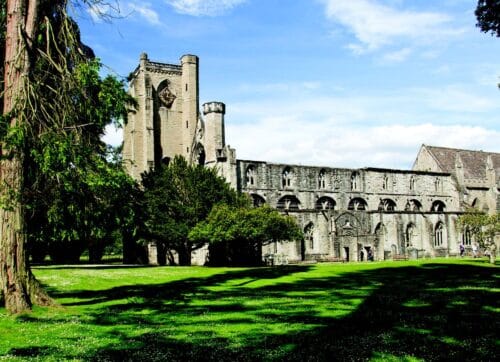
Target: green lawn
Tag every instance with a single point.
(427, 310)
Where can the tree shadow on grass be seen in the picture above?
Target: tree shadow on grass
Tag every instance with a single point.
(430, 312)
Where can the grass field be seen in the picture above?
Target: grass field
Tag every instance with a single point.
(442, 309)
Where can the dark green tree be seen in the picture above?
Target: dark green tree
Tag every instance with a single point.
(176, 197)
(236, 234)
(48, 90)
(79, 198)
(488, 16)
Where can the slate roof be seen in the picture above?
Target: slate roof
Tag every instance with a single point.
(474, 162)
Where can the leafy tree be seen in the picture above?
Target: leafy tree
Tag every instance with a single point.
(236, 234)
(176, 197)
(488, 16)
(49, 126)
(79, 197)
(483, 227)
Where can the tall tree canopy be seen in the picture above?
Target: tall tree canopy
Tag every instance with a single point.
(176, 197)
(488, 16)
(54, 110)
(236, 234)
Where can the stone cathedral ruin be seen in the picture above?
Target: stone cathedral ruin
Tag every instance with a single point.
(346, 214)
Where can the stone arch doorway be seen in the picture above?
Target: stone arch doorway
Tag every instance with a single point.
(347, 232)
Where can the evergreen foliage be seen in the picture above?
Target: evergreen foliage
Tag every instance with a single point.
(176, 197)
(488, 16)
(236, 234)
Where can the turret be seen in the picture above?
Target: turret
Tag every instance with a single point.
(190, 105)
(215, 141)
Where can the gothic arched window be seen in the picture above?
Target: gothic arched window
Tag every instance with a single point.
(385, 182)
(410, 233)
(438, 234)
(257, 200)
(325, 203)
(412, 183)
(288, 202)
(413, 205)
(438, 206)
(250, 175)
(287, 176)
(322, 179)
(467, 236)
(387, 205)
(309, 235)
(438, 184)
(355, 181)
(357, 204)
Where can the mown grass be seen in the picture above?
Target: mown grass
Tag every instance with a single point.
(425, 310)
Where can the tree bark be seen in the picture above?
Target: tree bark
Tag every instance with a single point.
(19, 287)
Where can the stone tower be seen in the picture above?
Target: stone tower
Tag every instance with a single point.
(168, 122)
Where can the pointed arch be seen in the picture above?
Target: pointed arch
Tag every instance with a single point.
(439, 231)
(309, 235)
(257, 200)
(357, 203)
(250, 175)
(413, 205)
(387, 205)
(287, 177)
(438, 206)
(288, 202)
(325, 203)
(322, 179)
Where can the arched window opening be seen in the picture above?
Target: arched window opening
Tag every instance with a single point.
(200, 155)
(438, 184)
(250, 175)
(387, 205)
(257, 200)
(357, 204)
(355, 181)
(410, 234)
(466, 237)
(385, 183)
(412, 183)
(322, 179)
(309, 235)
(413, 205)
(288, 202)
(325, 203)
(287, 177)
(438, 234)
(438, 206)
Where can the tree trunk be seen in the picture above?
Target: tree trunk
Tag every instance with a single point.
(184, 256)
(19, 287)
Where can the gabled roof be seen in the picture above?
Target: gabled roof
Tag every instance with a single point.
(474, 162)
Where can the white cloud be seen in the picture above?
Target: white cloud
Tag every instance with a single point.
(358, 130)
(113, 136)
(204, 7)
(101, 11)
(397, 56)
(290, 140)
(376, 25)
(455, 98)
(145, 11)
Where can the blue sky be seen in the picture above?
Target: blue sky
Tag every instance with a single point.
(342, 83)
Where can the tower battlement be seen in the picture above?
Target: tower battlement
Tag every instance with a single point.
(214, 107)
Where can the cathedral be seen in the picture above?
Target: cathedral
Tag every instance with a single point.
(346, 214)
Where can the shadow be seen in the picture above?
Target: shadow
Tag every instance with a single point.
(92, 266)
(433, 312)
